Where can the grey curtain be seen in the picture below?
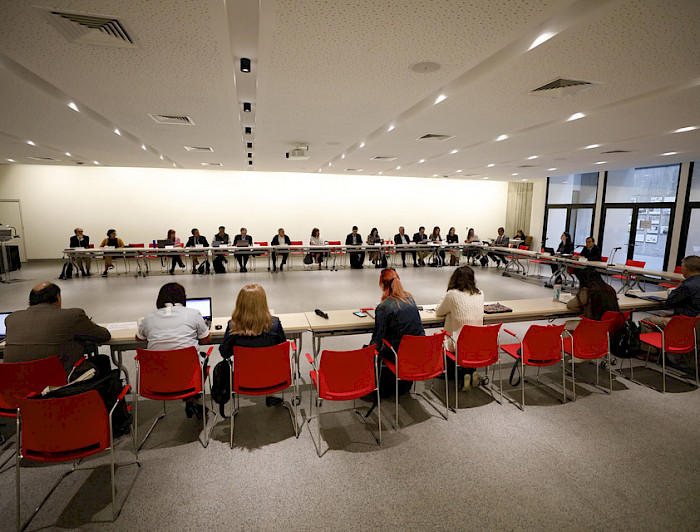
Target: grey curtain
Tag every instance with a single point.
(518, 208)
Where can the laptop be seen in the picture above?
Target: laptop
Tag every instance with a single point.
(162, 243)
(242, 244)
(3, 315)
(549, 250)
(203, 305)
(217, 243)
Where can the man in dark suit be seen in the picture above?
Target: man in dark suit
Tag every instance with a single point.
(79, 240)
(401, 238)
(194, 241)
(421, 238)
(45, 329)
(356, 258)
(591, 251)
(242, 258)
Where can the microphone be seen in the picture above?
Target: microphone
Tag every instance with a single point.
(319, 312)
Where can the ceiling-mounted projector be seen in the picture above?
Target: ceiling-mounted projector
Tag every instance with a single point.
(300, 153)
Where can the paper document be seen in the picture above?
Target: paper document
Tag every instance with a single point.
(120, 326)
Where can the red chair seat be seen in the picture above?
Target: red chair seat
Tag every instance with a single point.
(472, 363)
(412, 374)
(326, 393)
(654, 340)
(512, 350)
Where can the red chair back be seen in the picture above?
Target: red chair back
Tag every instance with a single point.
(619, 319)
(261, 370)
(346, 372)
(260, 243)
(591, 337)
(636, 263)
(169, 375)
(679, 334)
(523, 246)
(603, 259)
(334, 243)
(136, 245)
(296, 243)
(542, 345)
(64, 429)
(421, 357)
(19, 379)
(477, 345)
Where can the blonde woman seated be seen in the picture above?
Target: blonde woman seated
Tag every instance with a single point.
(463, 304)
(252, 325)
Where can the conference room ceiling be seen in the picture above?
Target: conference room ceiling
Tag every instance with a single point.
(336, 77)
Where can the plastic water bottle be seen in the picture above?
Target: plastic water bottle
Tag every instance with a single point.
(556, 295)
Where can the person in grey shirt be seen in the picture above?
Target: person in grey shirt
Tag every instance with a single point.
(501, 242)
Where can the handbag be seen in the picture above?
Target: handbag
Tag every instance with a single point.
(308, 259)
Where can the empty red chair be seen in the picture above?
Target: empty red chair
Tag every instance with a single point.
(590, 341)
(628, 279)
(420, 358)
(540, 347)
(672, 284)
(264, 371)
(677, 337)
(345, 376)
(66, 429)
(335, 253)
(477, 347)
(169, 376)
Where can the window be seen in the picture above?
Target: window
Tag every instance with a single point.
(570, 203)
(690, 238)
(656, 184)
(573, 189)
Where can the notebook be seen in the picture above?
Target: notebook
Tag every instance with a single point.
(3, 315)
(496, 308)
(203, 305)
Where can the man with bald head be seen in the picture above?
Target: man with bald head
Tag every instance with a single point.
(45, 329)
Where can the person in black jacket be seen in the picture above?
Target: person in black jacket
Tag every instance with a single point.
(79, 240)
(566, 247)
(280, 239)
(421, 238)
(591, 251)
(220, 258)
(252, 325)
(242, 258)
(401, 238)
(197, 240)
(357, 258)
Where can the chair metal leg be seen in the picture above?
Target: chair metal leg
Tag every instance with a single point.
(161, 416)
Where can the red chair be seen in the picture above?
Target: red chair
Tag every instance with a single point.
(677, 337)
(19, 379)
(628, 279)
(66, 429)
(345, 376)
(420, 358)
(335, 253)
(672, 285)
(590, 341)
(540, 347)
(264, 371)
(297, 253)
(476, 347)
(169, 376)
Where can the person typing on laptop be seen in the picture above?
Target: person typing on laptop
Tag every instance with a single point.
(243, 240)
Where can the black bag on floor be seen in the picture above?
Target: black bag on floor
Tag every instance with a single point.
(66, 271)
(221, 385)
(308, 258)
(625, 342)
(219, 265)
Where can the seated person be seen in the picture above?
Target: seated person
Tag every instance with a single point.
(174, 326)
(177, 259)
(594, 297)
(252, 325)
(111, 241)
(375, 256)
(566, 247)
(80, 240)
(402, 239)
(280, 239)
(242, 258)
(452, 238)
(472, 254)
(315, 240)
(520, 235)
(591, 251)
(194, 241)
(220, 258)
(684, 301)
(357, 259)
(439, 254)
(463, 304)
(502, 241)
(45, 329)
(396, 316)
(421, 238)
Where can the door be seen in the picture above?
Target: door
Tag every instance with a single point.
(10, 214)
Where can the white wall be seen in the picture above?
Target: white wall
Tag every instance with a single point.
(143, 203)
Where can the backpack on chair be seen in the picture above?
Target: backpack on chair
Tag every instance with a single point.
(221, 385)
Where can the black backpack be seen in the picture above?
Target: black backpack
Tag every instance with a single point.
(221, 385)
(219, 265)
(625, 342)
(67, 271)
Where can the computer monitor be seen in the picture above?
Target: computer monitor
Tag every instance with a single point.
(203, 305)
(3, 315)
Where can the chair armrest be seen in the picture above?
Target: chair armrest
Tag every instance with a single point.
(209, 352)
(511, 333)
(650, 324)
(120, 397)
(79, 361)
(310, 358)
(388, 344)
(293, 344)
(567, 332)
(447, 334)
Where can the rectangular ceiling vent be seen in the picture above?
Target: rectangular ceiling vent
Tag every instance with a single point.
(433, 137)
(616, 151)
(172, 120)
(90, 29)
(43, 159)
(529, 166)
(559, 88)
(212, 164)
(384, 158)
(353, 169)
(199, 149)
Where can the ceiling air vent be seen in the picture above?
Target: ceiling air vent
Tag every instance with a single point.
(529, 166)
(384, 158)
(616, 151)
(433, 137)
(90, 29)
(43, 159)
(353, 169)
(560, 88)
(172, 120)
(199, 149)
(212, 164)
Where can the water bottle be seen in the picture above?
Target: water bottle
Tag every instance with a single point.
(557, 292)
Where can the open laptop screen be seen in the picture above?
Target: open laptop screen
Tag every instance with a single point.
(202, 304)
(3, 315)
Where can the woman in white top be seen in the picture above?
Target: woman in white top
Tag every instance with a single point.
(472, 254)
(316, 241)
(463, 304)
(174, 326)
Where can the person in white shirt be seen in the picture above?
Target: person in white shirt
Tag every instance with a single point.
(174, 326)
(316, 241)
(463, 304)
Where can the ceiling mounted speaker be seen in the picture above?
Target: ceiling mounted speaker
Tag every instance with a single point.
(247, 107)
(245, 64)
(248, 130)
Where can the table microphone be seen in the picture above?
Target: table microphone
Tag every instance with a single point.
(319, 312)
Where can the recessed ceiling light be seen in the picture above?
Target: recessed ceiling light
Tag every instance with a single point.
(116, 130)
(95, 162)
(601, 162)
(591, 146)
(435, 175)
(398, 168)
(453, 152)
(551, 169)
(318, 170)
(31, 143)
(174, 165)
(421, 161)
(575, 116)
(74, 107)
(515, 173)
(440, 98)
(362, 145)
(10, 160)
(380, 173)
(485, 177)
(532, 157)
(342, 156)
(490, 165)
(68, 154)
(391, 128)
(524, 179)
(143, 147)
(501, 137)
(161, 157)
(330, 164)
(541, 38)
(458, 172)
(685, 129)
(670, 153)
